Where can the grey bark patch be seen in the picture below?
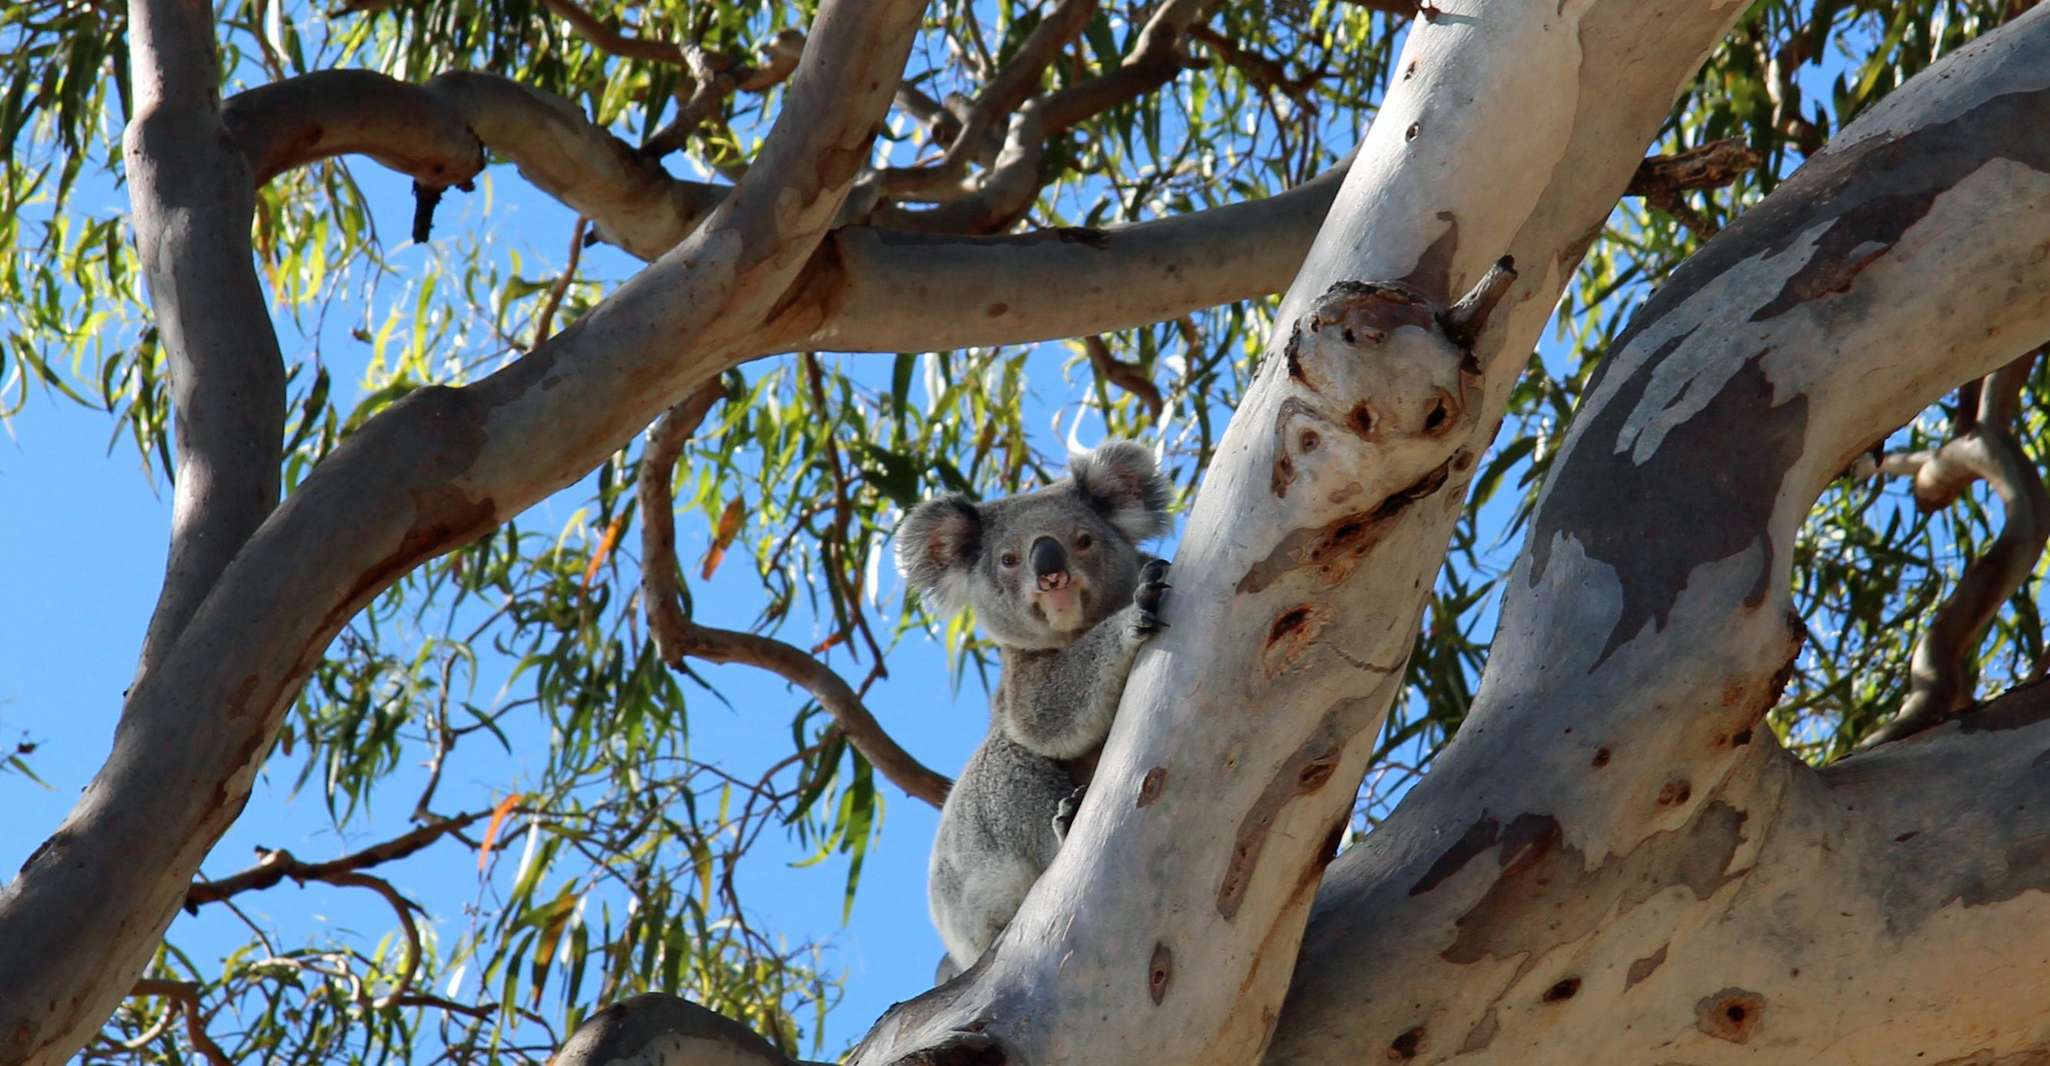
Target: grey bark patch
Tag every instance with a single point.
(1555, 880)
(1732, 1014)
(1482, 1034)
(1706, 494)
(1892, 174)
(1644, 967)
(2026, 869)
(1432, 274)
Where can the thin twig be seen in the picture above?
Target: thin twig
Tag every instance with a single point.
(545, 324)
(273, 867)
(184, 996)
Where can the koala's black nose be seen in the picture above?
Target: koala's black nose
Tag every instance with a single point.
(1048, 558)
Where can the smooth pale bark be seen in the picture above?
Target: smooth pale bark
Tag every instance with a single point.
(1614, 861)
(438, 469)
(193, 199)
(1166, 928)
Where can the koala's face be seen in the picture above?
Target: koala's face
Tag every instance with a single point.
(1042, 567)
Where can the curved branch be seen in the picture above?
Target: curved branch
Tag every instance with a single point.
(677, 636)
(184, 996)
(1156, 60)
(193, 200)
(1127, 376)
(317, 116)
(1941, 665)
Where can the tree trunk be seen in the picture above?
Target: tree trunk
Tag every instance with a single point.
(1614, 861)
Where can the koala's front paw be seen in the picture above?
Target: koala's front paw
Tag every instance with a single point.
(1146, 619)
(1064, 813)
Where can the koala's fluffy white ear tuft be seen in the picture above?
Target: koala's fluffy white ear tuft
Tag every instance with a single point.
(937, 545)
(1120, 480)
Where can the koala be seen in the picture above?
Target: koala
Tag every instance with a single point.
(1058, 584)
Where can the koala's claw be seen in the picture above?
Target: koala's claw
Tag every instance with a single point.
(1064, 813)
(1147, 598)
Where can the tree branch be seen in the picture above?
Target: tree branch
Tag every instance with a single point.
(433, 471)
(1646, 634)
(273, 867)
(194, 199)
(1307, 557)
(1941, 664)
(1156, 60)
(1127, 376)
(184, 996)
(677, 636)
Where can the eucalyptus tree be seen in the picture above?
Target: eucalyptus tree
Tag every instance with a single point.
(1717, 767)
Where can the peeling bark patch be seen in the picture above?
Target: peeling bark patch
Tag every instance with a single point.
(1644, 967)
(1150, 786)
(1298, 776)
(1375, 308)
(1705, 495)
(1897, 178)
(1287, 432)
(1482, 1034)
(1555, 880)
(1406, 1045)
(1159, 973)
(1479, 837)
(1290, 637)
(1732, 1014)
(1292, 355)
(1333, 550)
(1432, 274)
(1562, 991)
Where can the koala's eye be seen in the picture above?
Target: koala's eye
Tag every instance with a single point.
(1083, 541)
(1009, 559)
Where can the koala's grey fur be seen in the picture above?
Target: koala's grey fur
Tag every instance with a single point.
(1067, 640)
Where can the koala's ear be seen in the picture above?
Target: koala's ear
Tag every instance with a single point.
(937, 545)
(1119, 479)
